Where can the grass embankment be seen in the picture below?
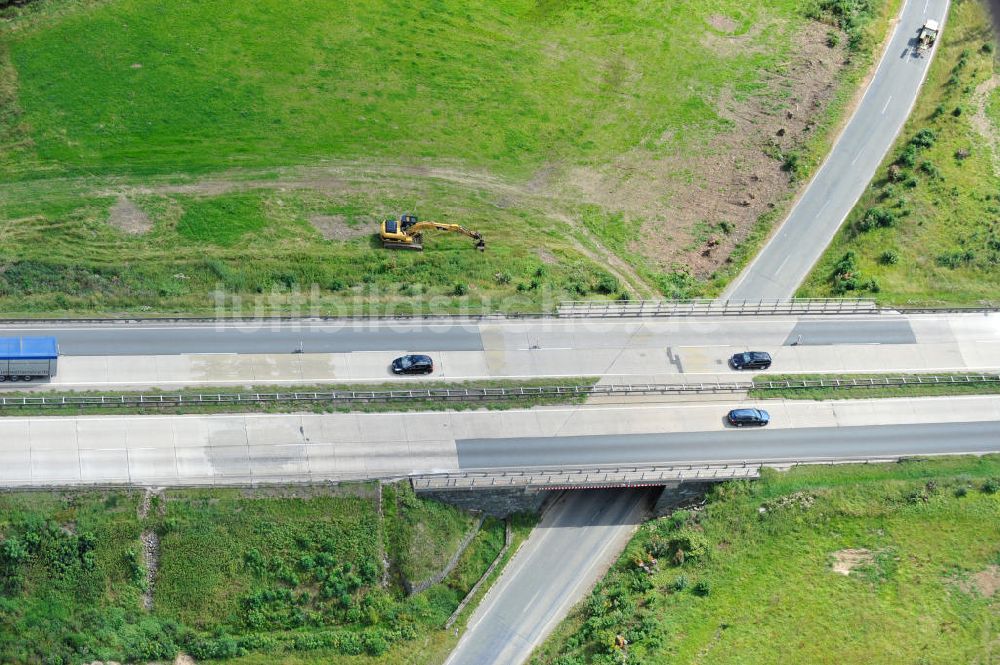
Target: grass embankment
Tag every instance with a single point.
(287, 406)
(154, 152)
(253, 575)
(925, 231)
(752, 577)
(870, 391)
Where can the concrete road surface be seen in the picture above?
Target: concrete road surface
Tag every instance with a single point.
(578, 538)
(220, 449)
(615, 351)
(789, 256)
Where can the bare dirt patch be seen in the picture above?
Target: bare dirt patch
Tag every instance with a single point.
(981, 122)
(335, 227)
(699, 203)
(128, 217)
(722, 23)
(986, 582)
(844, 561)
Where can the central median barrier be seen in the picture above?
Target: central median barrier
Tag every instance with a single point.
(236, 400)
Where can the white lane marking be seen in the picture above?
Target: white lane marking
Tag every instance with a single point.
(857, 156)
(926, 5)
(823, 208)
(886, 104)
(782, 264)
(545, 348)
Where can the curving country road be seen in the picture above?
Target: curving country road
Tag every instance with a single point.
(790, 254)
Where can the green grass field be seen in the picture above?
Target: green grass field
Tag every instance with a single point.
(750, 578)
(925, 232)
(295, 573)
(230, 130)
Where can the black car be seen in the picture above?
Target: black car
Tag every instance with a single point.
(413, 364)
(741, 417)
(751, 360)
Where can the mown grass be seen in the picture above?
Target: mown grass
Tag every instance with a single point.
(98, 98)
(259, 249)
(286, 406)
(139, 87)
(268, 573)
(757, 586)
(870, 391)
(925, 232)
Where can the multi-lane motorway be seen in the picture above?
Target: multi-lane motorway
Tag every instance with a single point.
(614, 350)
(220, 449)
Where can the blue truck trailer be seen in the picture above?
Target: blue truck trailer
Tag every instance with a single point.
(27, 358)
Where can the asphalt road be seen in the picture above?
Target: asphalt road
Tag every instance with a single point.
(789, 256)
(577, 539)
(730, 446)
(542, 335)
(147, 340)
(857, 332)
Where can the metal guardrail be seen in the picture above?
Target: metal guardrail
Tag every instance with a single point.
(709, 307)
(137, 400)
(881, 381)
(566, 309)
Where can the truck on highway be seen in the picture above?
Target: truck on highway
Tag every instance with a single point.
(27, 358)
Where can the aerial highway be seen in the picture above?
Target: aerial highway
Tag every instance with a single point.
(776, 272)
(220, 449)
(647, 350)
(791, 253)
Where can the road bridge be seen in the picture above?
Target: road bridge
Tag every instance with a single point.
(257, 448)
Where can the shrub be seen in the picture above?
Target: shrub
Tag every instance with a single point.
(956, 259)
(957, 111)
(790, 163)
(991, 486)
(460, 289)
(908, 157)
(832, 39)
(701, 588)
(889, 257)
(873, 285)
(607, 285)
(931, 170)
(938, 111)
(876, 218)
(680, 583)
(502, 278)
(923, 139)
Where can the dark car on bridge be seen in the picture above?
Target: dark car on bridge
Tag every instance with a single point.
(751, 360)
(412, 364)
(752, 417)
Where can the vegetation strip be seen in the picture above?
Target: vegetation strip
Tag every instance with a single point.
(895, 385)
(875, 563)
(290, 574)
(572, 390)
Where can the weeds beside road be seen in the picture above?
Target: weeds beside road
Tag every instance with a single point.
(925, 232)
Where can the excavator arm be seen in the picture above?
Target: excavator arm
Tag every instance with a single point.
(397, 234)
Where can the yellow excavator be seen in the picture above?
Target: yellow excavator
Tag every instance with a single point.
(407, 233)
